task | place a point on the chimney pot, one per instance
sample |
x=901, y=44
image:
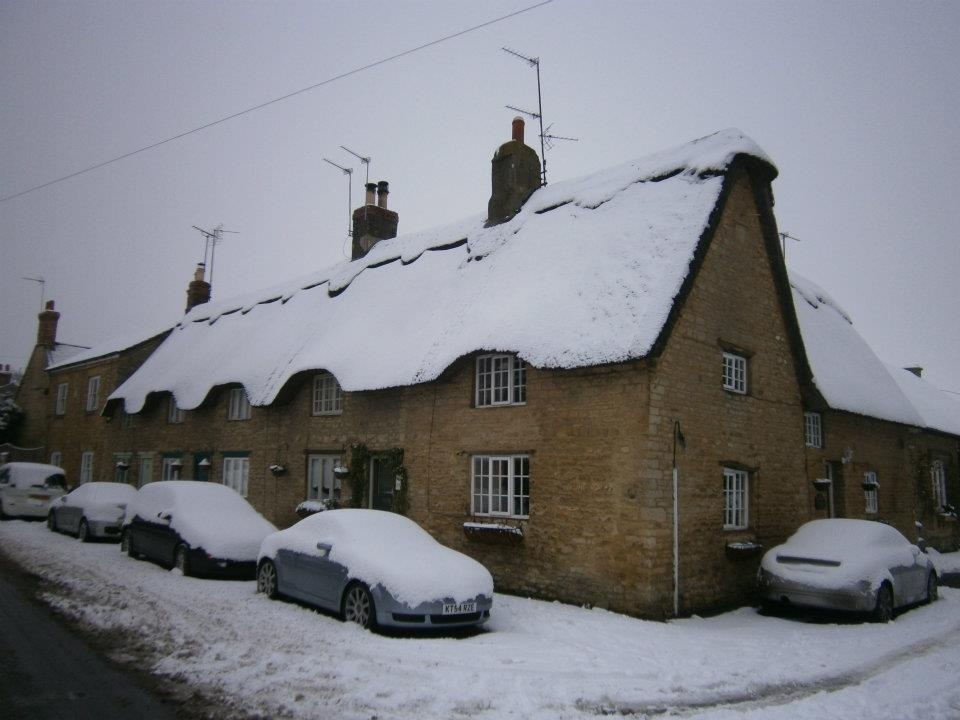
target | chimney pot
x=383, y=189
x=371, y=193
x=518, y=125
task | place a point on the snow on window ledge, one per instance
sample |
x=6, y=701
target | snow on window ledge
x=743, y=549
x=493, y=533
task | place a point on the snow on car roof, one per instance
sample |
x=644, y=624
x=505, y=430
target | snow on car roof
x=383, y=548
x=27, y=473
x=595, y=263
x=207, y=515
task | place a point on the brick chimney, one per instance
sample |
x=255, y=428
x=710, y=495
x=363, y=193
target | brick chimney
x=198, y=291
x=514, y=175
x=373, y=222
x=47, y=326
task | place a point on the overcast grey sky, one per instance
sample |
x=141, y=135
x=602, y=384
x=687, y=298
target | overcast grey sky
x=856, y=102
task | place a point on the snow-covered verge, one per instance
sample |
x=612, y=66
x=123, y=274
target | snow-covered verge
x=536, y=660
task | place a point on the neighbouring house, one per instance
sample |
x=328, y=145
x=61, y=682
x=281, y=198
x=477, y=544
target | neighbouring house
x=599, y=388
x=881, y=443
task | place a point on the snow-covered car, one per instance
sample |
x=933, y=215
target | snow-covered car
x=27, y=489
x=375, y=568
x=848, y=565
x=201, y=528
x=93, y=510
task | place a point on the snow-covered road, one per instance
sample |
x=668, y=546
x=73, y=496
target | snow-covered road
x=536, y=659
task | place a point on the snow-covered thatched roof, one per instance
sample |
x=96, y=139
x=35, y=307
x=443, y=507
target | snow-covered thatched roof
x=585, y=274
x=850, y=376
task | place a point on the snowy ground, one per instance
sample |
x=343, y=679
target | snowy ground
x=536, y=660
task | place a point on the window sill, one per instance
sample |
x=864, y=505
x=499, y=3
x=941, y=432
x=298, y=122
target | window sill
x=493, y=533
x=338, y=413
x=499, y=405
x=743, y=550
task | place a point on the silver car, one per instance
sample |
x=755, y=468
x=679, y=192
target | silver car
x=93, y=510
x=849, y=565
x=26, y=489
x=375, y=568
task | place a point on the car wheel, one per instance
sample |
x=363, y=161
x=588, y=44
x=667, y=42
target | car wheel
x=83, y=532
x=126, y=545
x=267, y=579
x=932, y=588
x=358, y=606
x=883, y=610
x=52, y=521
x=181, y=561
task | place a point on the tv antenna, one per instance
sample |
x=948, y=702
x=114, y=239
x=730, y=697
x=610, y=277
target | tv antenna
x=784, y=236
x=212, y=238
x=364, y=159
x=42, y=283
x=349, y=173
x=545, y=138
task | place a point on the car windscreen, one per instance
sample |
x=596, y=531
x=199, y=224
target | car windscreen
x=56, y=480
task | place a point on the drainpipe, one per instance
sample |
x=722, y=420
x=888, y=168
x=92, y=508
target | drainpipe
x=677, y=438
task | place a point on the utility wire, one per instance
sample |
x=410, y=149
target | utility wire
x=329, y=80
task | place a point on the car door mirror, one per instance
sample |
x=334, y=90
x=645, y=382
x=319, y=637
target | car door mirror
x=63, y=499
x=323, y=549
x=164, y=516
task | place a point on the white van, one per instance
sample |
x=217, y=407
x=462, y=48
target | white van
x=27, y=489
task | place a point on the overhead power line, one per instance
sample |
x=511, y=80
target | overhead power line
x=262, y=105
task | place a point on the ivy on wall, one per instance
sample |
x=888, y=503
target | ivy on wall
x=359, y=464
x=396, y=470
x=360, y=471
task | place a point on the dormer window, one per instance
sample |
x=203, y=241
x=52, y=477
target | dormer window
x=735, y=373
x=327, y=396
x=501, y=380
x=239, y=407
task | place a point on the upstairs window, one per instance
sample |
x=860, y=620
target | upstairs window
x=501, y=485
x=61, y=408
x=870, y=486
x=501, y=380
x=736, y=486
x=239, y=407
x=812, y=430
x=938, y=473
x=174, y=413
x=734, y=373
x=93, y=394
x=326, y=395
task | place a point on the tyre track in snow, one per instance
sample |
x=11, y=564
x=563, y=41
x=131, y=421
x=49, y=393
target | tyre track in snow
x=768, y=695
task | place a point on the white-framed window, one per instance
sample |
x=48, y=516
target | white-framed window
x=146, y=470
x=236, y=473
x=86, y=466
x=734, y=373
x=501, y=380
x=239, y=407
x=870, y=486
x=812, y=430
x=170, y=468
x=121, y=466
x=327, y=397
x=127, y=420
x=174, y=413
x=938, y=474
x=501, y=485
x=321, y=482
x=56, y=457
x=736, y=505
x=93, y=393
x=61, y=408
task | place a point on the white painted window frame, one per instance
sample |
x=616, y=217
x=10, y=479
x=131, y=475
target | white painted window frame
x=327, y=395
x=735, y=372
x=239, y=405
x=170, y=468
x=870, y=494
x=175, y=414
x=93, y=394
x=327, y=484
x=736, y=499
x=500, y=379
x=236, y=473
x=938, y=475
x=56, y=457
x=813, y=429
x=500, y=486
x=86, y=466
x=62, y=390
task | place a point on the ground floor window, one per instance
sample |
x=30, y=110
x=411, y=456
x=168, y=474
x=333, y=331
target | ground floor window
x=736, y=486
x=236, y=473
x=170, y=469
x=870, y=486
x=56, y=458
x=321, y=482
x=938, y=474
x=501, y=485
x=86, y=467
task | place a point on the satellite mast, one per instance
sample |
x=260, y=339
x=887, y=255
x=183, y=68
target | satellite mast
x=43, y=283
x=784, y=236
x=212, y=239
x=364, y=159
x=349, y=173
x=544, y=137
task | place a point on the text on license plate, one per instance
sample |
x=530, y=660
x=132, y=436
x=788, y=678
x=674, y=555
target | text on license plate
x=459, y=608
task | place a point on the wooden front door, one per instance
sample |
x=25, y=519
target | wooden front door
x=381, y=485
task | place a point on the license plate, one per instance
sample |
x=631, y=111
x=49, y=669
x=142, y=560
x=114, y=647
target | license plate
x=44, y=498
x=459, y=608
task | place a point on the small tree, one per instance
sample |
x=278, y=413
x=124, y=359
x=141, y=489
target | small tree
x=11, y=418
